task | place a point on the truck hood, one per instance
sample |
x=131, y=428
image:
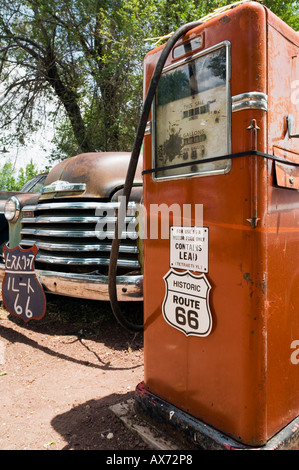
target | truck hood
x=90, y=175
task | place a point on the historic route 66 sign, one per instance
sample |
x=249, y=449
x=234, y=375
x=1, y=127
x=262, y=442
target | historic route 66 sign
x=22, y=293
x=186, y=303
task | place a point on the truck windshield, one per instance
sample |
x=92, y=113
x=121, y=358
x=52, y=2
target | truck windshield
x=191, y=115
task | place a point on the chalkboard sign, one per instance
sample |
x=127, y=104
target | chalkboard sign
x=22, y=293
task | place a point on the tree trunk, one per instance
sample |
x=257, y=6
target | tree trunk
x=69, y=99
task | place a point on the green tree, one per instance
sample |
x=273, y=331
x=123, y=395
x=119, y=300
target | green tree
x=25, y=175
x=288, y=11
x=12, y=181
x=83, y=58
x=7, y=179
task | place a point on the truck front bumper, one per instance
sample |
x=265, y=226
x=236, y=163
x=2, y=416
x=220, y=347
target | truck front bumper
x=94, y=287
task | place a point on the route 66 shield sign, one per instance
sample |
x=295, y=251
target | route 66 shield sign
x=186, y=303
x=22, y=293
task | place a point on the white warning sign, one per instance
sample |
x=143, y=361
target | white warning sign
x=186, y=303
x=189, y=248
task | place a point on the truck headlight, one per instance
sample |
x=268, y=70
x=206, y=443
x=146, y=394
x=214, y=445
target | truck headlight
x=12, y=209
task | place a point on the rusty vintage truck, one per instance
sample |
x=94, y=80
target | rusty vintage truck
x=34, y=185
x=72, y=224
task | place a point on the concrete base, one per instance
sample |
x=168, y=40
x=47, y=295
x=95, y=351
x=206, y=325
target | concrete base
x=154, y=438
x=179, y=429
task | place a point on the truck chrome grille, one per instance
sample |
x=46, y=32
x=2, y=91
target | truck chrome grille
x=76, y=236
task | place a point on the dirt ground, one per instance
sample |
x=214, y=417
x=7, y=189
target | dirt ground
x=59, y=375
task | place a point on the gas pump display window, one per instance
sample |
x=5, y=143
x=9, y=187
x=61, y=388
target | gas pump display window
x=192, y=116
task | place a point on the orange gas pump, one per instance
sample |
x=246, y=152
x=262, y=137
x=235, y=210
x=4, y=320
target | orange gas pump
x=221, y=180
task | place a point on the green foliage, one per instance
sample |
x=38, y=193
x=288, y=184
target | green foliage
x=9, y=181
x=84, y=59
x=287, y=10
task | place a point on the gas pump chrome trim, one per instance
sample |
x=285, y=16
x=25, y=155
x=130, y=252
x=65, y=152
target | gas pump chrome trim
x=148, y=129
x=250, y=100
x=227, y=45
x=290, y=126
x=196, y=55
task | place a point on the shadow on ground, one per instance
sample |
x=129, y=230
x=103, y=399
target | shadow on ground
x=93, y=426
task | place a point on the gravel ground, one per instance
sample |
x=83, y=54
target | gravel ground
x=60, y=375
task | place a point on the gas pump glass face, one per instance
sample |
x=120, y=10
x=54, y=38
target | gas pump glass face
x=191, y=116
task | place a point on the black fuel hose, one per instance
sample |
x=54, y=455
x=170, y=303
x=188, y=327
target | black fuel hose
x=120, y=317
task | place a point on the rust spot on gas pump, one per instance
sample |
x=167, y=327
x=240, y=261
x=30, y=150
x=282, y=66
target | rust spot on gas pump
x=258, y=284
x=246, y=276
x=263, y=287
x=224, y=19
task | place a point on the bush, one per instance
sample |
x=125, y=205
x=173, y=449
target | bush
x=10, y=181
